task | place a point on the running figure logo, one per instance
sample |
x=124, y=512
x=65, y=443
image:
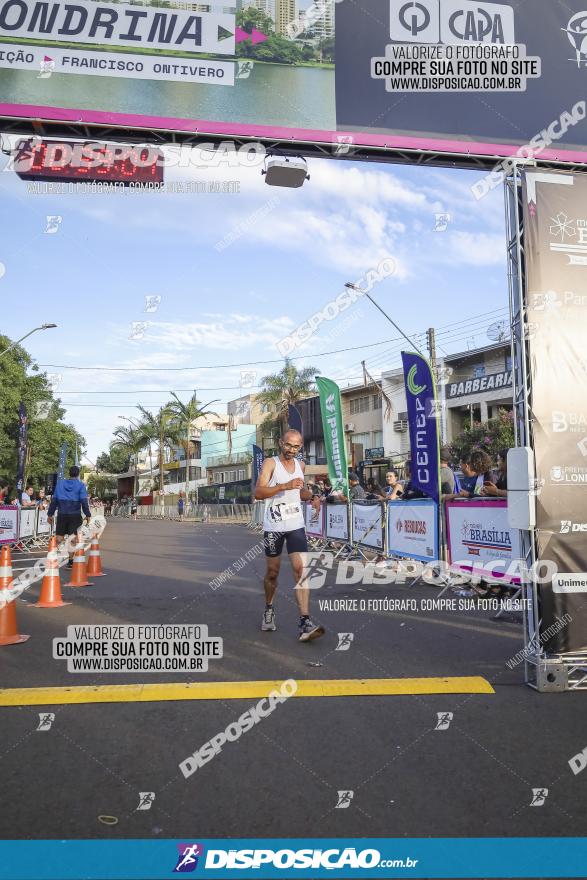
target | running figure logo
x=444, y=719
x=187, y=861
x=316, y=566
x=46, y=719
x=344, y=641
x=344, y=800
x=539, y=795
x=146, y=799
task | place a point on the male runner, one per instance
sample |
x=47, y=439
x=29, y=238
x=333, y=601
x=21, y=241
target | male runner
x=281, y=486
x=69, y=499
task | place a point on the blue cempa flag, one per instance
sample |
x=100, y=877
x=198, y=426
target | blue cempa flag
x=423, y=417
x=21, y=448
x=294, y=418
x=258, y=459
x=294, y=421
x=62, y=458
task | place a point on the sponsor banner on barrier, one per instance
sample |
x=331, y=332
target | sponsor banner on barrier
x=26, y=527
x=479, y=535
x=8, y=523
x=412, y=529
x=314, y=521
x=43, y=524
x=337, y=522
x=368, y=525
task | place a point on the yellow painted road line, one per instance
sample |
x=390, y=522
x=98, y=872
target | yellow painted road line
x=240, y=690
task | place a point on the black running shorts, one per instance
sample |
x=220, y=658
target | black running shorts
x=68, y=523
x=296, y=542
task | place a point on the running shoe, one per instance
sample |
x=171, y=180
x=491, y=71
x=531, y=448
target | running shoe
x=309, y=630
x=268, y=624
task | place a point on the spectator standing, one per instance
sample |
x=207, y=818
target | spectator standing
x=393, y=488
x=133, y=508
x=180, y=506
x=497, y=487
x=356, y=491
x=27, y=498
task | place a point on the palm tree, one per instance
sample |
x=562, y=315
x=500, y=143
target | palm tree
x=159, y=427
x=131, y=440
x=284, y=388
x=183, y=415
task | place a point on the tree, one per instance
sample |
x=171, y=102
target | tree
x=183, y=415
x=130, y=441
x=284, y=388
x=159, y=428
x=101, y=485
x=491, y=436
x=20, y=380
x=117, y=461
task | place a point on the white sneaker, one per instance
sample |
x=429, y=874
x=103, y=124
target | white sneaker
x=309, y=631
x=268, y=624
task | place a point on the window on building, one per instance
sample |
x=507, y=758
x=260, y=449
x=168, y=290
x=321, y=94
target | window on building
x=377, y=401
x=377, y=438
x=359, y=405
x=478, y=370
x=242, y=475
x=195, y=473
x=219, y=477
x=508, y=362
x=231, y=476
x=363, y=440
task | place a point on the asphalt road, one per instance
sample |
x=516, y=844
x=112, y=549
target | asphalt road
x=282, y=778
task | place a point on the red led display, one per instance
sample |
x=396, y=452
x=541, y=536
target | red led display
x=38, y=159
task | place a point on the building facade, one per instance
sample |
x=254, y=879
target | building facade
x=286, y=11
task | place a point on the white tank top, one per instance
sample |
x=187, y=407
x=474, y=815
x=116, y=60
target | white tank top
x=284, y=512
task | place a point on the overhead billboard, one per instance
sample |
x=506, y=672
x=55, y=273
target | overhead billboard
x=555, y=224
x=466, y=77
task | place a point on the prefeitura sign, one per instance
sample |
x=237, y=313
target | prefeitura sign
x=483, y=78
x=555, y=221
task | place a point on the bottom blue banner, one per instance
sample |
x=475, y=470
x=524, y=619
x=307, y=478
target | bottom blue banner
x=531, y=857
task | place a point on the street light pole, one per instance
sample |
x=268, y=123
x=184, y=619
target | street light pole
x=30, y=333
x=352, y=286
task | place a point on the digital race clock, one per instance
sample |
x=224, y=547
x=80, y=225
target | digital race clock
x=38, y=159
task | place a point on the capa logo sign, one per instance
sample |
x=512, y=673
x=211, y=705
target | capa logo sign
x=451, y=21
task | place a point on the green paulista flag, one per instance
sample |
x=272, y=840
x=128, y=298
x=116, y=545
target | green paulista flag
x=331, y=409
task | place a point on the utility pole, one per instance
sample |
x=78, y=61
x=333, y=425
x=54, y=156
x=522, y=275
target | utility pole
x=431, y=339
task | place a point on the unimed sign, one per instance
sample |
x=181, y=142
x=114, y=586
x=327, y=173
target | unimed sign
x=461, y=77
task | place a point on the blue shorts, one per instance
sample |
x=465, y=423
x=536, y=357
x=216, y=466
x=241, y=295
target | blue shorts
x=296, y=541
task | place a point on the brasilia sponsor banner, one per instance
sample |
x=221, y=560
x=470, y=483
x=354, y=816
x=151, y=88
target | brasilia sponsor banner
x=443, y=55
x=555, y=224
x=334, y=439
x=412, y=529
x=337, y=522
x=8, y=523
x=480, y=540
x=314, y=521
x=27, y=521
x=423, y=424
x=368, y=520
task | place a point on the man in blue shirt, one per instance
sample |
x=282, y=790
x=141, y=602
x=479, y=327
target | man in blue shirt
x=69, y=499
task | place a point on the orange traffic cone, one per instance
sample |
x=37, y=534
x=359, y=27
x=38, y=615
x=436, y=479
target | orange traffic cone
x=95, y=560
x=79, y=572
x=9, y=634
x=50, y=596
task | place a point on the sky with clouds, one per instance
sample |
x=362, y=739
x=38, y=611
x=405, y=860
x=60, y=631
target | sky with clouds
x=238, y=272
